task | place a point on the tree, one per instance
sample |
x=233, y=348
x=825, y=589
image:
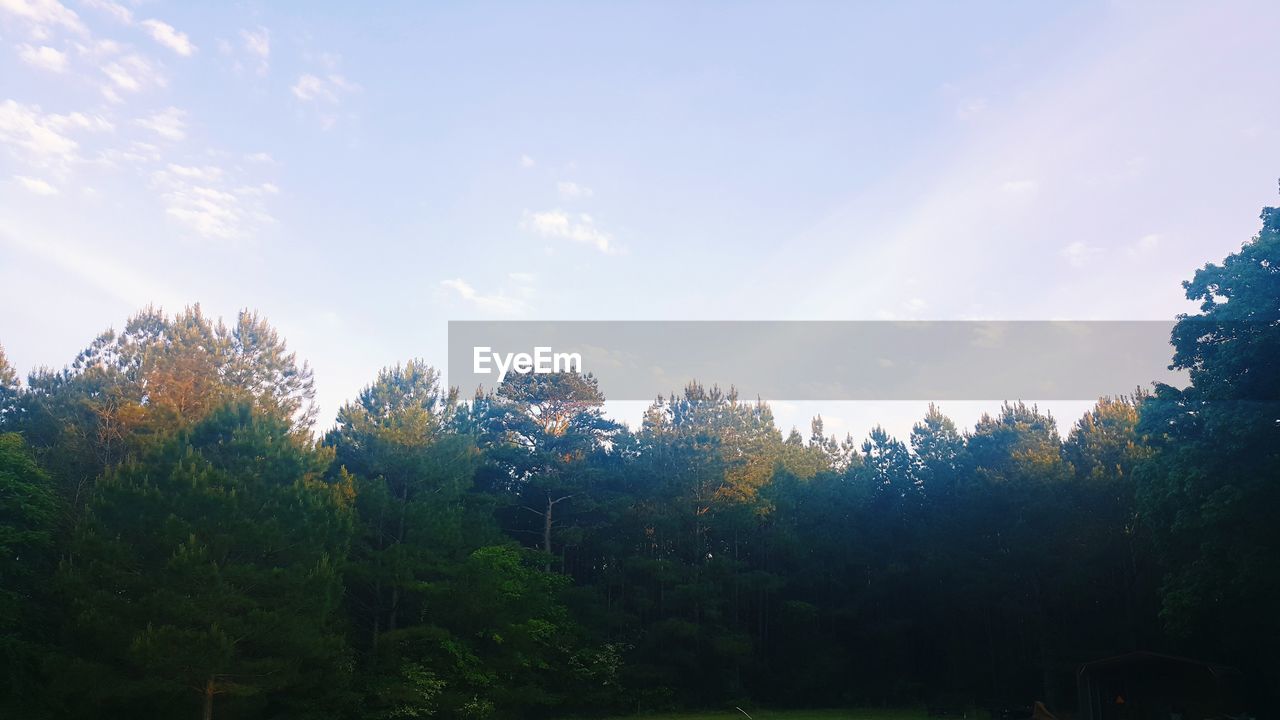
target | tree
x=1210, y=492
x=130, y=390
x=941, y=457
x=28, y=555
x=206, y=576
x=1112, y=569
x=1017, y=515
x=9, y=389
x=412, y=473
x=258, y=362
x=416, y=523
x=511, y=649
x=542, y=429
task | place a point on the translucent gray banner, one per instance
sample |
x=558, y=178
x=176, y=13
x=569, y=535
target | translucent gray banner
x=825, y=360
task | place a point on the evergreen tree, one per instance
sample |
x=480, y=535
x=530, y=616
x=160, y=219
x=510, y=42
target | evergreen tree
x=416, y=524
x=9, y=389
x=205, y=578
x=29, y=518
x=542, y=429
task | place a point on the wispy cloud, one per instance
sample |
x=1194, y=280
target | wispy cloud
x=573, y=191
x=257, y=43
x=329, y=89
x=971, y=108
x=1144, y=245
x=1020, y=187
x=1078, y=254
x=44, y=14
x=43, y=57
x=498, y=303
x=118, y=12
x=324, y=93
x=206, y=201
x=131, y=73
x=168, y=36
x=45, y=136
x=36, y=185
x=581, y=228
x=168, y=123
x=527, y=162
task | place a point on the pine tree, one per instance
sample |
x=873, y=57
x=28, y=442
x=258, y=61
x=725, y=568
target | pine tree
x=9, y=388
x=206, y=576
x=29, y=519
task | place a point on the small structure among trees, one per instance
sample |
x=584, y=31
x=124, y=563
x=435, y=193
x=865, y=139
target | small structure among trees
x=1151, y=686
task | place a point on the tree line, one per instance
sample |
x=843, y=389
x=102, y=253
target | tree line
x=177, y=540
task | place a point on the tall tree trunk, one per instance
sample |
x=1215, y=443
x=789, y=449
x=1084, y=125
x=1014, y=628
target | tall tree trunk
x=395, y=585
x=546, y=532
x=208, y=700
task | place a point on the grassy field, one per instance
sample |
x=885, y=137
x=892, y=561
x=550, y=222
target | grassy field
x=858, y=714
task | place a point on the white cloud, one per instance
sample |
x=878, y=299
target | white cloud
x=99, y=49
x=43, y=57
x=121, y=13
x=260, y=157
x=207, y=173
x=43, y=14
x=168, y=36
x=1020, y=187
x=573, y=191
x=207, y=211
x=258, y=190
x=971, y=108
x=199, y=198
x=527, y=162
x=583, y=229
x=131, y=73
x=45, y=135
x=36, y=185
x=167, y=123
x=258, y=44
x=312, y=88
x=136, y=154
x=1078, y=254
x=496, y=303
x=1144, y=245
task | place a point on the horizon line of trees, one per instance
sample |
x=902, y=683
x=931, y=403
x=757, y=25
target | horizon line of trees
x=175, y=542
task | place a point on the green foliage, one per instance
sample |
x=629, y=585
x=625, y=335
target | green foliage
x=9, y=390
x=522, y=556
x=29, y=515
x=1210, y=491
x=544, y=432
x=412, y=477
x=208, y=571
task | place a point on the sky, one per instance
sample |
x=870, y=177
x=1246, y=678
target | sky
x=362, y=174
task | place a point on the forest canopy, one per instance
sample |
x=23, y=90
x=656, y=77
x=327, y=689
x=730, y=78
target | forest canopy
x=177, y=540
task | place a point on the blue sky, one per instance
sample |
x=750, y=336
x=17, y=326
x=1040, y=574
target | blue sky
x=363, y=176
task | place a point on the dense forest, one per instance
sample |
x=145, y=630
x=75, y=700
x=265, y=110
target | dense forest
x=178, y=537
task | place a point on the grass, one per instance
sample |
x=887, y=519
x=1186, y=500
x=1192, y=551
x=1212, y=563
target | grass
x=857, y=714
